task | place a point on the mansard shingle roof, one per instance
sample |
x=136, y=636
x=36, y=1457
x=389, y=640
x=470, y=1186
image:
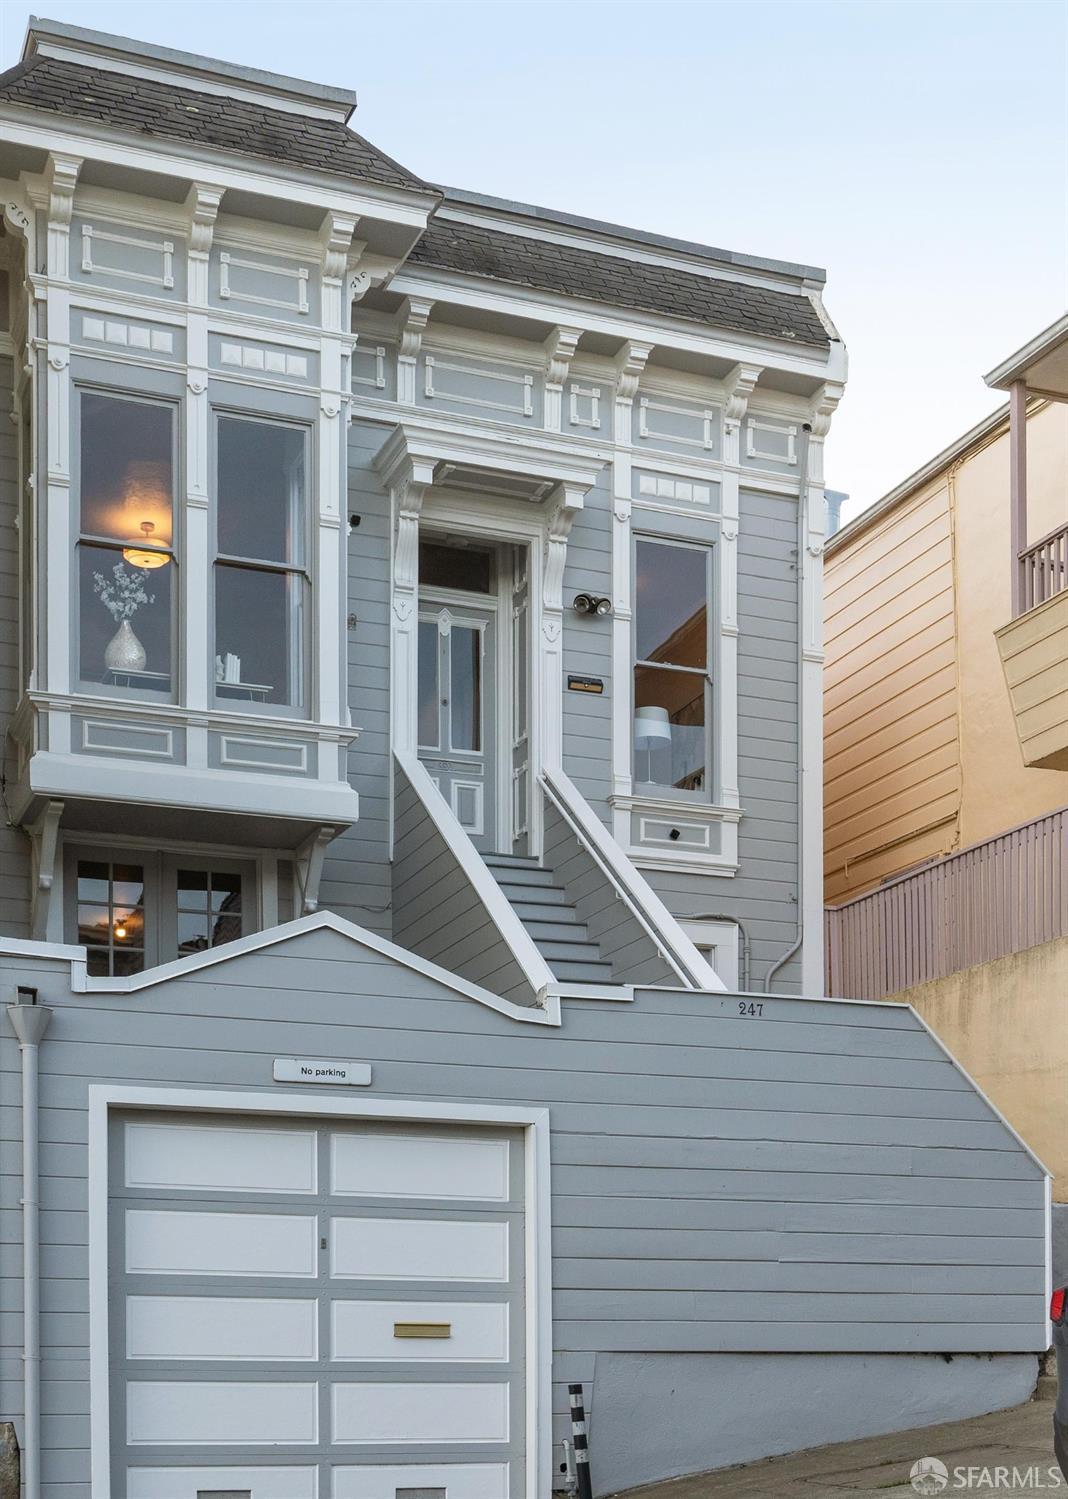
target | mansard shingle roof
x=600, y=277
x=170, y=111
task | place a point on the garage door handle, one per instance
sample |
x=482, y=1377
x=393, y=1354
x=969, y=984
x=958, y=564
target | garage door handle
x=422, y=1329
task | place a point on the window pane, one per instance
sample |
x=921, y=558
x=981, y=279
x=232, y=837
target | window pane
x=125, y=624
x=442, y=566
x=126, y=469
x=225, y=891
x=111, y=915
x=465, y=694
x=669, y=728
x=259, y=633
x=428, y=685
x=127, y=960
x=671, y=604
x=92, y=881
x=226, y=927
x=94, y=926
x=261, y=490
x=193, y=932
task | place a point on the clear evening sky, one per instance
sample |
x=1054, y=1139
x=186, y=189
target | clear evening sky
x=918, y=151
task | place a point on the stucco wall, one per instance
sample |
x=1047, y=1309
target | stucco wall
x=1005, y=1022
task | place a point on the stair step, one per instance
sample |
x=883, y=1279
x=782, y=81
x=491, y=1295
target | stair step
x=584, y=973
x=549, y=896
x=569, y=952
x=522, y=879
x=570, y=932
x=556, y=912
x=510, y=861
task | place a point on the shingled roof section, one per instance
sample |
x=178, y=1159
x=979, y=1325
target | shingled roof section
x=172, y=112
x=577, y=272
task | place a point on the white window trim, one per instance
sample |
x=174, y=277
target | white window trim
x=537, y=1219
x=718, y=940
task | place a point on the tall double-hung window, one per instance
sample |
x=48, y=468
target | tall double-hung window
x=672, y=670
x=127, y=566
x=261, y=582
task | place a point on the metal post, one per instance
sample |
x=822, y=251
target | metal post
x=584, y=1488
x=1018, y=491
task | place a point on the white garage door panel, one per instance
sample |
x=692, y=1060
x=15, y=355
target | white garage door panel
x=366, y=1330
x=162, y=1242
x=186, y=1483
x=220, y=1327
x=218, y=1158
x=419, y=1249
x=406, y=1166
x=169, y=1413
x=411, y=1413
x=459, y=1480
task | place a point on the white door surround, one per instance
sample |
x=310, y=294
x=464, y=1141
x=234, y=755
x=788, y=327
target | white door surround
x=537, y=1255
x=422, y=466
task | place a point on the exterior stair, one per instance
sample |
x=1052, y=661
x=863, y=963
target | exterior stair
x=555, y=929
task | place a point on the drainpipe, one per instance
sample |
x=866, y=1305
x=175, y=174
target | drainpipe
x=29, y=1021
x=802, y=540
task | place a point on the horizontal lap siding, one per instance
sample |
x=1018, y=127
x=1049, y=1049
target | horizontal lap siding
x=14, y=845
x=588, y=649
x=621, y=938
x=817, y=1179
x=436, y=911
x=891, y=743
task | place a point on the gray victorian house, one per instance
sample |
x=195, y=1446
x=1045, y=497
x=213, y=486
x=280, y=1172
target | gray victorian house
x=410, y=872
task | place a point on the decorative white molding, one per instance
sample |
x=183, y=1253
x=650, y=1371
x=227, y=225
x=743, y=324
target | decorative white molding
x=43, y=833
x=559, y=349
x=299, y=276
x=376, y=353
x=590, y=393
x=164, y=248
x=526, y=383
x=271, y=361
x=706, y=419
x=231, y=745
x=782, y=429
x=128, y=335
x=663, y=487
x=737, y=388
x=414, y=316
x=308, y=867
x=630, y=362
x=163, y=749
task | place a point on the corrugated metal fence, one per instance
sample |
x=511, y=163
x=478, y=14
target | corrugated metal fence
x=996, y=898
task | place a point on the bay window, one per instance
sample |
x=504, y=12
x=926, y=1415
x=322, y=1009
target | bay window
x=261, y=584
x=126, y=561
x=672, y=673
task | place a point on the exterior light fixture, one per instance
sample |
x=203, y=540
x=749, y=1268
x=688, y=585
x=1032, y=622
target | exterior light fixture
x=140, y=556
x=120, y=930
x=590, y=603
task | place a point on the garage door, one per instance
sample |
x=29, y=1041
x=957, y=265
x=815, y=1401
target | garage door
x=313, y=1311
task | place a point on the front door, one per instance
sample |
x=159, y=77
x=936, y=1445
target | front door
x=457, y=712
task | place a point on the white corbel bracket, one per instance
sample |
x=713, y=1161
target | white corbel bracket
x=62, y=179
x=559, y=349
x=309, y=868
x=43, y=833
x=202, y=205
x=737, y=388
x=565, y=503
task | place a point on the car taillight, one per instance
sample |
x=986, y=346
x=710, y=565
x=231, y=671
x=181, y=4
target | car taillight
x=1056, y=1305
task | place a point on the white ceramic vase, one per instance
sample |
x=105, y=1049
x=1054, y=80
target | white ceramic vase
x=124, y=651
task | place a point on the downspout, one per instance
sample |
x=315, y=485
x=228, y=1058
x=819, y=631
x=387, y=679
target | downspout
x=29, y=1021
x=802, y=540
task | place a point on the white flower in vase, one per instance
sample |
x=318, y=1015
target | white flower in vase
x=122, y=595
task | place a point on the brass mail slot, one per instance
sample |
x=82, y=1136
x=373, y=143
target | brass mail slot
x=422, y=1329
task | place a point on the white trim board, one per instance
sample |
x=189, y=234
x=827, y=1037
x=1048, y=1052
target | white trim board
x=537, y=1224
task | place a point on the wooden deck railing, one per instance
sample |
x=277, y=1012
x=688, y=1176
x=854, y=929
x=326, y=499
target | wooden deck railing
x=996, y=898
x=1043, y=568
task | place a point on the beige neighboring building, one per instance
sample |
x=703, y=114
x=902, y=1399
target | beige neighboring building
x=946, y=748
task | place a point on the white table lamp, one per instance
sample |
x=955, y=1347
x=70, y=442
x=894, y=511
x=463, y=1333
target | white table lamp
x=652, y=726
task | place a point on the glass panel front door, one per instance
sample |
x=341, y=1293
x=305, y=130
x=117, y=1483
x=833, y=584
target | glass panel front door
x=456, y=708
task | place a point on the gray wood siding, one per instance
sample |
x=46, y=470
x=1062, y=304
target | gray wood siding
x=437, y=913
x=819, y=1179
x=14, y=845
x=763, y=894
x=631, y=952
x=588, y=650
